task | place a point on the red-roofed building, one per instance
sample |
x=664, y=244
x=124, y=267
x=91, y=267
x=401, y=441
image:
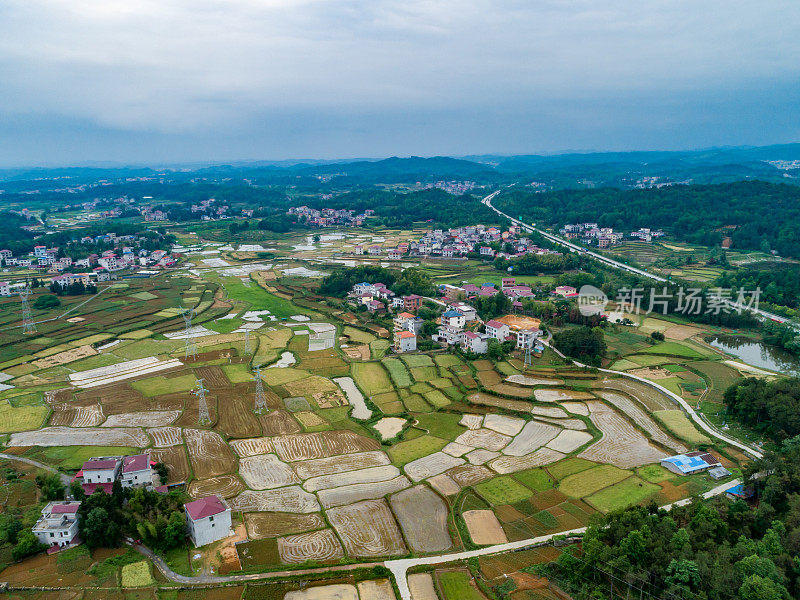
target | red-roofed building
x=405, y=341
x=136, y=471
x=208, y=520
x=412, y=302
x=58, y=525
x=104, y=469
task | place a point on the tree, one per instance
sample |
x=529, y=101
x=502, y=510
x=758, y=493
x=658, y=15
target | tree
x=99, y=530
x=582, y=343
x=756, y=587
x=76, y=490
x=50, y=486
x=47, y=301
x=162, y=470
x=495, y=350
x=27, y=544
x=657, y=336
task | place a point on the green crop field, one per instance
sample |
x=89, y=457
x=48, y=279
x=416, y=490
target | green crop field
x=417, y=360
x=443, y=425
x=569, y=466
x=590, y=481
x=455, y=585
x=424, y=373
x=536, y=479
x=503, y=490
x=679, y=424
x=447, y=360
x=71, y=458
x=620, y=495
x=673, y=349
x=358, y=336
x=398, y=371
x=371, y=377
x=405, y=452
x=719, y=375
x=437, y=399
x=21, y=418
x=160, y=385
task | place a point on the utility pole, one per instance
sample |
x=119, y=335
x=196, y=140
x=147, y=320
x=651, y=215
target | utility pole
x=203, y=418
x=28, y=326
x=247, y=349
x=191, y=344
x=261, y=397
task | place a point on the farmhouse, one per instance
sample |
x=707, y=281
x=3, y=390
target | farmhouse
x=209, y=520
x=101, y=472
x=691, y=462
x=136, y=471
x=565, y=291
x=497, y=330
x=408, y=322
x=58, y=525
x=405, y=341
x=412, y=302
x=474, y=342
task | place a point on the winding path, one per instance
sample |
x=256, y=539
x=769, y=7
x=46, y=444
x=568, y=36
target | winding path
x=65, y=479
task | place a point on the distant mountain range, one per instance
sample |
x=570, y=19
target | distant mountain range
x=557, y=171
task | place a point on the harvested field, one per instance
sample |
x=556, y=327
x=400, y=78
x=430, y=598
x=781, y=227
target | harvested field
x=369, y=475
x=569, y=440
x=559, y=395
x=503, y=424
x=622, y=444
x=367, y=529
x=156, y=418
x=423, y=518
x=467, y=475
x=347, y=442
x=636, y=413
x=532, y=437
x=677, y=422
x=472, y=421
x=66, y=436
x=361, y=491
x=320, y=546
x=421, y=587
x=493, y=381
x=681, y=332
x=512, y=464
x=455, y=449
x=293, y=499
x=91, y=416
x=444, y=484
x=484, y=528
x=484, y=438
x=65, y=357
x=530, y=381
x=336, y=591
x=431, y=465
x=506, y=403
x=481, y=456
x=269, y=525
x=550, y=411
x=176, y=461
x=339, y=464
x=279, y=422
x=164, y=437
x=209, y=454
x=376, y=589
x=301, y=446
x=226, y=486
x=576, y=408
x=253, y=446
x=235, y=415
x=650, y=397
x=213, y=377
x=265, y=472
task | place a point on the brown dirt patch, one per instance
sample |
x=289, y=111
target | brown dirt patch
x=484, y=528
x=62, y=358
x=209, y=454
x=279, y=422
x=274, y=524
x=680, y=332
x=653, y=373
x=213, y=377
x=226, y=486
x=236, y=416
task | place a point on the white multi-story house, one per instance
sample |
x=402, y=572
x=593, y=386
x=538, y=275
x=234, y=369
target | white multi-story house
x=404, y=341
x=208, y=520
x=497, y=330
x=470, y=314
x=101, y=469
x=136, y=471
x=474, y=342
x=58, y=525
x=526, y=338
x=5, y=288
x=454, y=319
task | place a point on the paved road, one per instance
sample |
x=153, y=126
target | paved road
x=616, y=264
x=65, y=479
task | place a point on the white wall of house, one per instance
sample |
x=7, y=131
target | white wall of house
x=210, y=529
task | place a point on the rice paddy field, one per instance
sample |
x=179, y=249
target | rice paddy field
x=483, y=452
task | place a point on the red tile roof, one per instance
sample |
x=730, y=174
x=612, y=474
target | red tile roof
x=90, y=488
x=405, y=334
x=495, y=324
x=138, y=462
x=99, y=465
x=67, y=508
x=205, y=507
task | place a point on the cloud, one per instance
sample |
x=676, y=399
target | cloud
x=202, y=67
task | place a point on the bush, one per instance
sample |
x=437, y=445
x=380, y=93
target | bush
x=27, y=544
x=657, y=336
x=45, y=302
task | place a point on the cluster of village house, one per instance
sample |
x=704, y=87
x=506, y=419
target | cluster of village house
x=459, y=324
x=208, y=519
x=46, y=260
x=603, y=237
x=458, y=242
x=330, y=217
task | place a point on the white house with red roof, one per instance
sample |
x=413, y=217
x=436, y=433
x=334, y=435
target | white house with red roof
x=498, y=330
x=474, y=342
x=100, y=471
x=405, y=341
x=137, y=471
x=58, y=525
x=208, y=520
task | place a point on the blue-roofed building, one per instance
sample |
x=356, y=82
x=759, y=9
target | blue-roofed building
x=739, y=492
x=454, y=319
x=689, y=463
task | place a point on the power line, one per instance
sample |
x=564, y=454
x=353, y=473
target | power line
x=261, y=396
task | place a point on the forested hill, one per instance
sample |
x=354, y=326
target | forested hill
x=756, y=215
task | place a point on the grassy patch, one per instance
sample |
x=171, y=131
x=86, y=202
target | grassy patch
x=620, y=495
x=378, y=348
x=72, y=458
x=282, y=376
x=371, y=377
x=94, y=362
x=679, y=424
x=443, y=425
x=673, y=349
x=358, y=336
x=456, y=585
x=417, y=360
x=590, y=481
x=503, y=490
x=405, y=452
x=160, y=385
x=447, y=360
x=437, y=399
x=237, y=373
x=654, y=473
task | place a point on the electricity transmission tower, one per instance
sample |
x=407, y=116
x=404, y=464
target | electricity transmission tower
x=203, y=418
x=247, y=348
x=28, y=326
x=191, y=343
x=528, y=354
x=261, y=397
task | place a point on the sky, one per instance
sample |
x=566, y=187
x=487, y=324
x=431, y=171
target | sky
x=171, y=81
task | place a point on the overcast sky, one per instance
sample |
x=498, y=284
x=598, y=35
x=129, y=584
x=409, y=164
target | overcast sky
x=158, y=81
